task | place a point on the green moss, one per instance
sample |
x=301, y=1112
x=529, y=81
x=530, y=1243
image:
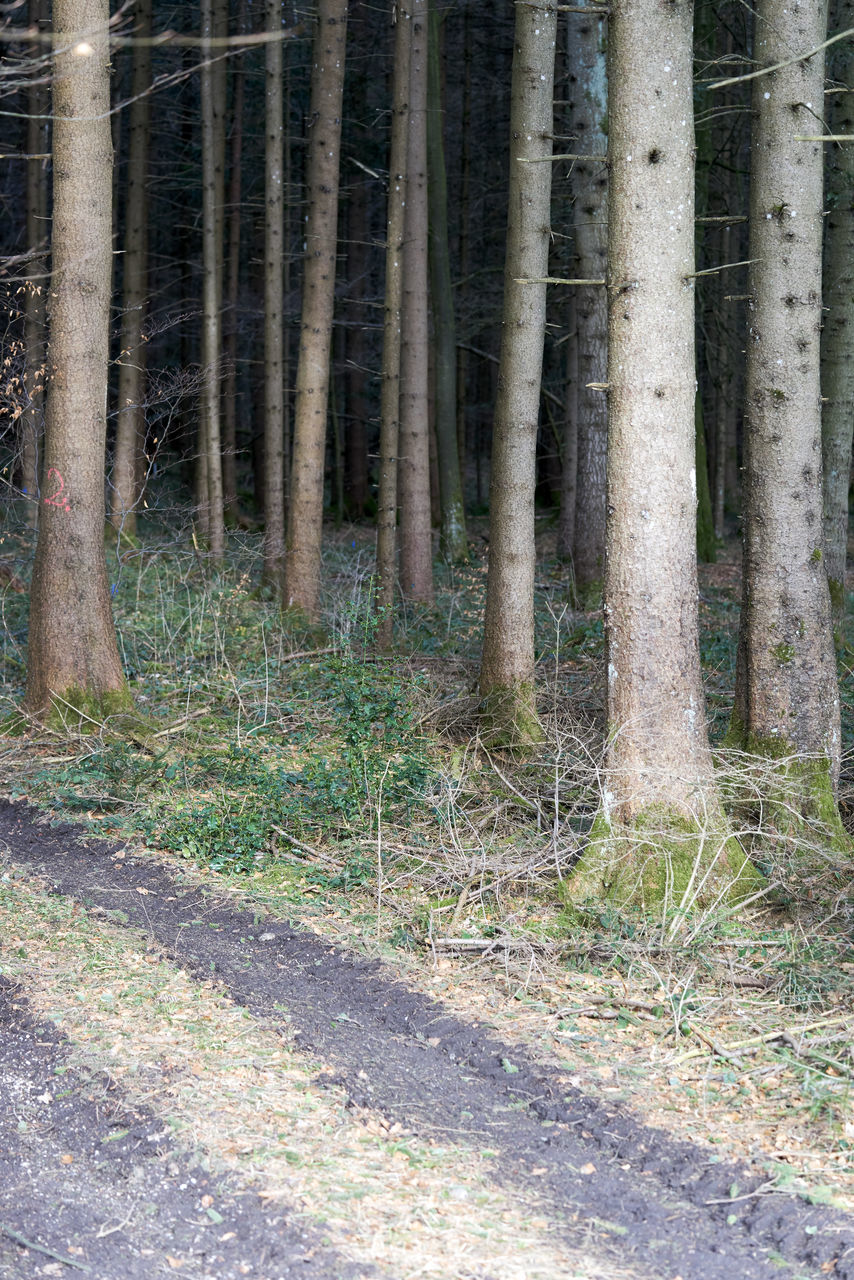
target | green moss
x=816, y=556
x=784, y=653
x=837, y=595
x=662, y=858
x=84, y=711
x=509, y=717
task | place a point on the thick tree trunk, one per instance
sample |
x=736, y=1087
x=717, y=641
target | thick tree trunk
x=210, y=491
x=416, y=543
x=569, y=451
x=661, y=836
x=305, y=512
x=588, y=122
x=837, y=341
x=453, y=544
x=787, y=697
x=73, y=674
x=274, y=406
x=36, y=272
x=130, y=419
x=390, y=392
x=507, y=665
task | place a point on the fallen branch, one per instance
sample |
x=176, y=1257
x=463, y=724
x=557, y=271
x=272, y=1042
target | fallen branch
x=756, y=1041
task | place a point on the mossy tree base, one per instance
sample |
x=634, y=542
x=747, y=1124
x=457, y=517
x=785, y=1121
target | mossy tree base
x=661, y=861
x=798, y=802
x=83, y=711
x=508, y=716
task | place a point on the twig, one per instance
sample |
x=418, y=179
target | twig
x=553, y=280
x=562, y=155
x=470, y=944
x=304, y=848
x=725, y=266
x=767, y=1189
x=40, y=1248
x=777, y=66
x=179, y=724
x=310, y=653
x=768, y=1036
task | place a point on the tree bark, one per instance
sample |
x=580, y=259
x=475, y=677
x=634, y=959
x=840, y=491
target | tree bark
x=508, y=700
x=305, y=512
x=358, y=409
x=212, y=511
x=837, y=341
x=588, y=123
x=787, y=695
x=231, y=291
x=661, y=836
x=416, y=542
x=390, y=390
x=453, y=544
x=130, y=418
x=73, y=674
x=274, y=406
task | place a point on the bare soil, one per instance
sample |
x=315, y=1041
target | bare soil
x=668, y=1211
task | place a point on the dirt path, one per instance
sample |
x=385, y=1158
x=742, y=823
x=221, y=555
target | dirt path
x=653, y=1205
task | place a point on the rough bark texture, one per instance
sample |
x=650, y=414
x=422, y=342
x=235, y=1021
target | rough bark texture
x=661, y=836
x=416, y=544
x=507, y=664
x=453, y=544
x=35, y=271
x=358, y=354
x=390, y=393
x=569, y=451
x=588, y=91
x=305, y=512
x=787, y=699
x=130, y=419
x=837, y=343
x=274, y=392
x=73, y=663
x=210, y=493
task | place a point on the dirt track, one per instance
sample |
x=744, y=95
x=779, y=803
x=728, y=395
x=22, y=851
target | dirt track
x=667, y=1209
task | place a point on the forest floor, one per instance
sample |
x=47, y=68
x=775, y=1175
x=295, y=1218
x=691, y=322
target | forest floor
x=273, y=1020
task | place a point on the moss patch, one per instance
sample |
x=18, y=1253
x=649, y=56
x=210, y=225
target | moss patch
x=84, y=711
x=661, y=859
x=509, y=717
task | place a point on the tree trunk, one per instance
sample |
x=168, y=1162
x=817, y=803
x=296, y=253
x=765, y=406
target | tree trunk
x=508, y=700
x=588, y=122
x=130, y=419
x=787, y=696
x=453, y=544
x=73, y=674
x=305, y=512
x=416, y=542
x=210, y=450
x=357, y=403
x=837, y=349
x=661, y=836
x=36, y=271
x=569, y=452
x=390, y=392
x=231, y=292
x=274, y=407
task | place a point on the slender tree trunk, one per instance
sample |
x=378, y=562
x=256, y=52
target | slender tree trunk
x=507, y=664
x=453, y=543
x=569, y=453
x=73, y=674
x=231, y=294
x=274, y=408
x=416, y=543
x=358, y=355
x=130, y=419
x=305, y=513
x=36, y=274
x=390, y=392
x=210, y=470
x=661, y=836
x=837, y=341
x=464, y=243
x=588, y=117
x=787, y=696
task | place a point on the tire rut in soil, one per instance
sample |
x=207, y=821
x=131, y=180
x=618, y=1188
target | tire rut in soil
x=82, y=1166
x=404, y=1055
